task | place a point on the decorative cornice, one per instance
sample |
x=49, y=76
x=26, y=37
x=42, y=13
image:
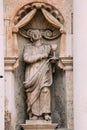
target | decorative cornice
x=66, y=63
x=10, y=63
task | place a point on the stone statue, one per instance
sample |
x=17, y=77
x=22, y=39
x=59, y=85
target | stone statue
x=38, y=76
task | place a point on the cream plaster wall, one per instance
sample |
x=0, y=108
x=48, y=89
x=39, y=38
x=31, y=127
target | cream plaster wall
x=1, y=67
x=80, y=64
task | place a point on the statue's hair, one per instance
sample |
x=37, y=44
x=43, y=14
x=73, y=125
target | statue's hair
x=30, y=33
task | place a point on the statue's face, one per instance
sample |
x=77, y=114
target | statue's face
x=35, y=35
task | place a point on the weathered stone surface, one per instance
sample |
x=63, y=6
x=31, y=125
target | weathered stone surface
x=40, y=125
x=65, y=7
x=61, y=103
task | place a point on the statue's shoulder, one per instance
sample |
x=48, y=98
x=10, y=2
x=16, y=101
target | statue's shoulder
x=28, y=45
x=47, y=45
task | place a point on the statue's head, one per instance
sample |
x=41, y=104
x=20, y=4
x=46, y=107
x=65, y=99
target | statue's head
x=34, y=35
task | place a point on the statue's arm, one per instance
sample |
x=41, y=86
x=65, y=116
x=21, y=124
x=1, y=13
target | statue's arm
x=28, y=58
x=34, y=58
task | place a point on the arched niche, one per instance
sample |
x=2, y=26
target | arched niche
x=50, y=22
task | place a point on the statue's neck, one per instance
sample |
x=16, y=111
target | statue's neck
x=37, y=43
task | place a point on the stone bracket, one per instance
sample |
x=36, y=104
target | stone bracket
x=66, y=63
x=10, y=63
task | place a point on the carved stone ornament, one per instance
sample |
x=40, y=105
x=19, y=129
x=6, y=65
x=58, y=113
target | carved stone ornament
x=24, y=16
x=51, y=14
x=39, y=56
x=38, y=76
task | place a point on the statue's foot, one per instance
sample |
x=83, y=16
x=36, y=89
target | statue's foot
x=47, y=117
x=40, y=118
x=34, y=117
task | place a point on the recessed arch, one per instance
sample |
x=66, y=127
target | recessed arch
x=27, y=12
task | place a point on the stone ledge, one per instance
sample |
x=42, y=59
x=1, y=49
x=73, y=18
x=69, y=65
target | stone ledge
x=39, y=125
x=66, y=62
x=63, y=129
x=10, y=63
x=38, y=122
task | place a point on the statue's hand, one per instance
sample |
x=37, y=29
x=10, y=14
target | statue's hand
x=54, y=59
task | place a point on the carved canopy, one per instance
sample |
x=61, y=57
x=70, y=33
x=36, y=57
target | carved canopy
x=27, y=12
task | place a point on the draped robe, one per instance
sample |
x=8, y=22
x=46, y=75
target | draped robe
x=38, y=78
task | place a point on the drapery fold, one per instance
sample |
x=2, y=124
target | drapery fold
x=38, y=82
x=51, y=19
x=26, y=18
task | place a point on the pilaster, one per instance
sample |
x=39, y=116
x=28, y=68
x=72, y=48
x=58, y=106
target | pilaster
x=68, y=67
x=66, y=63
x=10, y=111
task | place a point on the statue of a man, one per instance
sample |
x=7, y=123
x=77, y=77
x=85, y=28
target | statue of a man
x=38, y=77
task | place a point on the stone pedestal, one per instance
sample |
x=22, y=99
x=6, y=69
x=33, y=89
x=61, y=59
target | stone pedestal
x=39, y=125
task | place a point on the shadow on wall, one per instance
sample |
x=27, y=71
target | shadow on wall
x=58, y=98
